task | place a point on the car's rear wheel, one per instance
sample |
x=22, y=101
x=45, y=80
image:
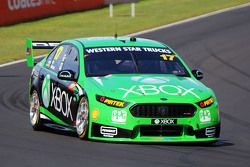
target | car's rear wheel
x=35, y=119
x=82, y=118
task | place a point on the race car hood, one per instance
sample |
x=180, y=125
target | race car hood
x=151, y=88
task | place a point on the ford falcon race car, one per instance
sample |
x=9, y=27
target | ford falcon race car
x=120, y=89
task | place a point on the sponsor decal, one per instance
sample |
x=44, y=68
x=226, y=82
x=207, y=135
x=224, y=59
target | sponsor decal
x=66, y=74
x=74, y=85
x=15, y=11
x=206, y=103
x=100, y=130
x=95, y=114
x=46, y=91
x=163, y=121
x=148, y=90
x=108, y=131
x=205, y=116
x=44, y=44
x=150, y=80
x=210, y=132
x=163, y=99
x=60, y=100
x=111, y=102
x=128, y=49
x=119, y=116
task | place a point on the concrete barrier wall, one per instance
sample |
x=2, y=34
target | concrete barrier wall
x=16, y=11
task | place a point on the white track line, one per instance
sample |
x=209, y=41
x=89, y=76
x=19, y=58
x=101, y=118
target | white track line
x=155, y=29
x=190, y=19
x=19, y=61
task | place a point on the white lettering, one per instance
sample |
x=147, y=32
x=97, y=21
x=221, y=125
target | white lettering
x=99, y=50
x=157, y=50
x=61, y=102
x=148, y=89
x=10, y=5
x=174, y=93
x=65, y=96
x=53, y=95
x=128, y=49
x=131, y=49
x=189, y=91
x=108, y=131
x=129, y=91
x=22, y=4
x=154, y=90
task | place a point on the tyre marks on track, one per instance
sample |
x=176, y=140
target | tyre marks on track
x=14, y=99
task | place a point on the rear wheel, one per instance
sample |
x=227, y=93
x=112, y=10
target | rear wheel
x=35, y=119
x=82, y=118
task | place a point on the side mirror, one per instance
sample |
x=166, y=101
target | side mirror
x=66, y=75
x=198, y=74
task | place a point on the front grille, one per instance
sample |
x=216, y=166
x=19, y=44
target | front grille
x=163, y=110
x=161, y=130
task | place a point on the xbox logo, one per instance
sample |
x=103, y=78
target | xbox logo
x=46, y=91
x=150, y=80
x=157, y=121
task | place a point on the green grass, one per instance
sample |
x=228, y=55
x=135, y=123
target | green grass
x=149, y=13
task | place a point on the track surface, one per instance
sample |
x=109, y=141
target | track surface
x=218, y=44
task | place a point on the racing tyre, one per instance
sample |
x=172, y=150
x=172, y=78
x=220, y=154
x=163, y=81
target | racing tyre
x=35, y=119
x=82, y=118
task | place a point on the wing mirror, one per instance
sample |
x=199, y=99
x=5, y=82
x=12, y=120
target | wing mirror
x=198, y=74
x=66, y=75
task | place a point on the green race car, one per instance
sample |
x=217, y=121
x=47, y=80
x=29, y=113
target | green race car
x=120, y=89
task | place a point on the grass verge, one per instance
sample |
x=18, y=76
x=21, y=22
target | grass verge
x=149, y=14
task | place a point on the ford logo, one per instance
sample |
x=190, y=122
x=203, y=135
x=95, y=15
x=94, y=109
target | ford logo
x=163, y=99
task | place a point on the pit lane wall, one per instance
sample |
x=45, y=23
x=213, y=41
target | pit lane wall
x=16, y=11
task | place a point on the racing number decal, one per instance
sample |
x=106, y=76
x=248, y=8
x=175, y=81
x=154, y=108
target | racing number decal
x=58, y=52
x=167, y=57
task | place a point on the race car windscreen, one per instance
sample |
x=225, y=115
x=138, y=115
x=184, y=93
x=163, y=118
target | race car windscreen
x=131, y=60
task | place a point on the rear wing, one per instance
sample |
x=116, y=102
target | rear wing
x=31, y=45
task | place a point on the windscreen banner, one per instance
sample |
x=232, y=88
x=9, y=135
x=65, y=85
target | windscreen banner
x=16, y=11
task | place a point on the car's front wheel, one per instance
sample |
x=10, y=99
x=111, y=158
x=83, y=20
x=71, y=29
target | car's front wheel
x=35, y=119
x=82, y=118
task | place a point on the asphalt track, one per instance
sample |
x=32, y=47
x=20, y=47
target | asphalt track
x=219, y=45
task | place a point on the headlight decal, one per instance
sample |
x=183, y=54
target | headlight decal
x=111, y=102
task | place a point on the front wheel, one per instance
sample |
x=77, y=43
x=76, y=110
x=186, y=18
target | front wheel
x=35, y=119
x=82, y=118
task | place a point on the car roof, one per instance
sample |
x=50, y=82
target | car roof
x=119, y=41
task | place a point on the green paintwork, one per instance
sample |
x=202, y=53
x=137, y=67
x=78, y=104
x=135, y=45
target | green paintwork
x=30, y=56
x=151, y=87
x=52, y=117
